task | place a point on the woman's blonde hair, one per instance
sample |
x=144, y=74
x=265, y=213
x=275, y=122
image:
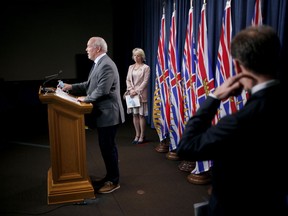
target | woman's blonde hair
x=140, y=52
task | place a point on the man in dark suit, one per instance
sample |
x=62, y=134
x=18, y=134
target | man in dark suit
x=102, y=89
x=248, y=148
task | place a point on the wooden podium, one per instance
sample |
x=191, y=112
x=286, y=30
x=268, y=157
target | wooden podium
x=68, y=180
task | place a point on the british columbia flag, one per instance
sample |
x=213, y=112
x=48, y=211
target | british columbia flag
x=176, y=98
x=189, y=70
x=224, y=65
x=161, y=109
x=204, y=77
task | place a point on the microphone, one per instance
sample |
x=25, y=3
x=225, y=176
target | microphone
x=53, y=75
x=47, y=79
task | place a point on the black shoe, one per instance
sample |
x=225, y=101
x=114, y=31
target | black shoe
x=135, y=141
x=142, y=142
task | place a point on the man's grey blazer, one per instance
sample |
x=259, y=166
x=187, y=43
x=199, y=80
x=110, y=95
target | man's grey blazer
x=103, y=91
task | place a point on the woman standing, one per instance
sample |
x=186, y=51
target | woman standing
x=137, y=84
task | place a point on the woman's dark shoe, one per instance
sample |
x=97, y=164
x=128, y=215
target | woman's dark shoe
x=142, y=141
x=135, y=141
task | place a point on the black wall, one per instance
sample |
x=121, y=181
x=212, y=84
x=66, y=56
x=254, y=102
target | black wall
x=41, y=37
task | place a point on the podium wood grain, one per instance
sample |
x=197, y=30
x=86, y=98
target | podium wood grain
x=68, y=180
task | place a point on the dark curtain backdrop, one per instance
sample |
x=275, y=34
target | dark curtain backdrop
x=147, y=26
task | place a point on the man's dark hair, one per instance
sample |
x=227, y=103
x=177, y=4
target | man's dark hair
x=258, y=49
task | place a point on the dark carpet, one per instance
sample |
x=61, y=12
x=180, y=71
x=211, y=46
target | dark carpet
x=150, y=183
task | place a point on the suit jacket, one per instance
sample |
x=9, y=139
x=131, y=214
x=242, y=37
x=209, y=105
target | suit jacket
x=139, y=82
x=247, y=149
x=103, y=91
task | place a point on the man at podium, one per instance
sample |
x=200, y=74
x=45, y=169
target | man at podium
x=102, y=89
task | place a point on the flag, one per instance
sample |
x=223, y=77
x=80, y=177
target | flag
x=161, y=107
x=224, y=65
x=189, y=70
x=257, y=18
x=204, y=74
x=204, y=77
x=176, y=100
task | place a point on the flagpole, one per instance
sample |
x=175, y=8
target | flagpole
x=174, y=6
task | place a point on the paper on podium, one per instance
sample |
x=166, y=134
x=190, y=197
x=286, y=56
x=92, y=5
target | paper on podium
x=60, y=93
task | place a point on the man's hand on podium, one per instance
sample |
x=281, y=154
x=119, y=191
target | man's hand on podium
x=81, y=99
